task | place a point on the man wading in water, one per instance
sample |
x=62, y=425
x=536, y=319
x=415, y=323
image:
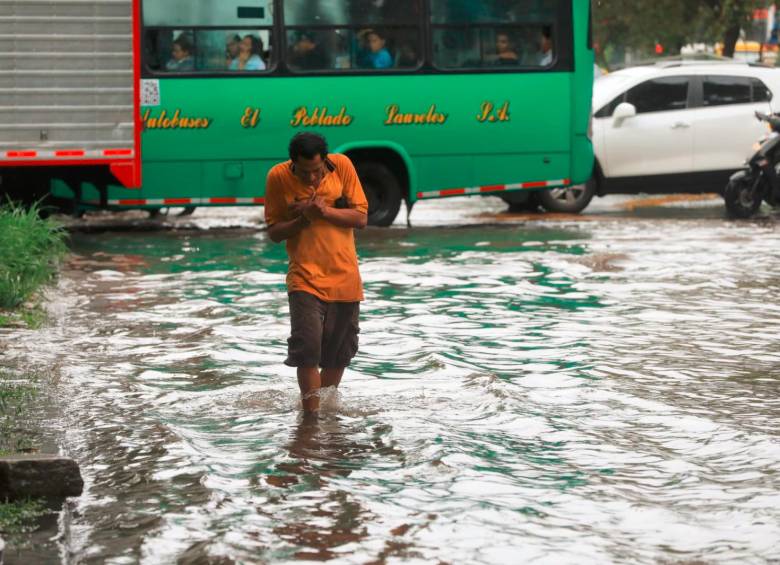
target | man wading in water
x=314, y=201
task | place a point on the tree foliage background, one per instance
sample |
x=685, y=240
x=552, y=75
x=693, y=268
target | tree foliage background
x=640, y=24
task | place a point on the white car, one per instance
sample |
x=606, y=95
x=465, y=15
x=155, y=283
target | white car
x=673, y=127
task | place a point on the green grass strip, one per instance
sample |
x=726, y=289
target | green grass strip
x=20, y=517
x=31, y=249
x=18, y=413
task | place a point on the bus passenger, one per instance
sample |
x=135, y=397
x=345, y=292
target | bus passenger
x=306, y=53
x=181, y=55
x=545, y=47
x=506, y=51
x=373, y=54
x=231, y=48
x=249, y=58
x=407, y=56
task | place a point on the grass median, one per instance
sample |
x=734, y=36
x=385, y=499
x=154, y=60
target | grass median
x=31, y=249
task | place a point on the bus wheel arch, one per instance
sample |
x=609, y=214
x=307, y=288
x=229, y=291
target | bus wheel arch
x=385, y=179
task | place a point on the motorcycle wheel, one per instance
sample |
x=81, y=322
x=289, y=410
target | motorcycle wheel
x=742, y=197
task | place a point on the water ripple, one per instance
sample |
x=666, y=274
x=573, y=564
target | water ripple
x=584, y=393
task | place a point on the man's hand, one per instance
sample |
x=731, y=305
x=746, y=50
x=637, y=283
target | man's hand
x=314, y=209
x=296, y=208
x=311, y=209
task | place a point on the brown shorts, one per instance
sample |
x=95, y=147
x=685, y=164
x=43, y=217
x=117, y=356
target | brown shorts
x=323, y=334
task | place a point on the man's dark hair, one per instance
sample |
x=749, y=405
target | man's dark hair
x=184, y=43
x=307, y=145
x=257, y=45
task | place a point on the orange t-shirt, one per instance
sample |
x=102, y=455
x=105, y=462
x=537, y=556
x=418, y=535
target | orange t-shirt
x=323, y=259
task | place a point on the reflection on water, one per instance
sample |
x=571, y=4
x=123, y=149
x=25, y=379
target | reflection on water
x=580, y=393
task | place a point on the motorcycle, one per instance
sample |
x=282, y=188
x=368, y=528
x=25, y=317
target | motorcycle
x=760, y=180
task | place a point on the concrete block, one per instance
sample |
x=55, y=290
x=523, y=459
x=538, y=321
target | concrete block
x=39, y=476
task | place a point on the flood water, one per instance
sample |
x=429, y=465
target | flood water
x=602, y=390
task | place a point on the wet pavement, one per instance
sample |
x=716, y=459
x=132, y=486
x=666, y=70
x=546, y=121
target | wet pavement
x=561, y=389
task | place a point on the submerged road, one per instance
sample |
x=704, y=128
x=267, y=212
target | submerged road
x=569, y=389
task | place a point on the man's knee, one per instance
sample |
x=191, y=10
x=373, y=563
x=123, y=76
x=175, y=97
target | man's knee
x=304, y=347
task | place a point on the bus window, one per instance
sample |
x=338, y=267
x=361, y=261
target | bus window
x=344, y=35
x=195, y=36
x=316, y=50
x=350, y=12
x=493, y=11
x=498, y=33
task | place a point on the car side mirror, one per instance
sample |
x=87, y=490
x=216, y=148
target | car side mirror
x=623, y=111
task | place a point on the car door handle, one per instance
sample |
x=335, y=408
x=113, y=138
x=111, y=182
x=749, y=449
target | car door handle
x=681, y=125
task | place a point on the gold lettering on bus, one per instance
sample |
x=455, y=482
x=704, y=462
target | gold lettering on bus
x=251, y=117
x=489, y=113
x=397, y=118
x=320, y=117
x=176, y=121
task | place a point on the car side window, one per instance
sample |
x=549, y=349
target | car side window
x=761, y=92
x=725, y=90
x=607, y=110
x=660, y=95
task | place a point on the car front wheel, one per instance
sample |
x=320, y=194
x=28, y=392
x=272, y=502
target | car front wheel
x=568, y=200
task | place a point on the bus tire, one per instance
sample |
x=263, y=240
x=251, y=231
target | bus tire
x=383, y=192
x=570, y=199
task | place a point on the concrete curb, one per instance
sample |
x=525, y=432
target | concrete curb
x=39, y=476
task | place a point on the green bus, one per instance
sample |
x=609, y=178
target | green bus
x=429, y=98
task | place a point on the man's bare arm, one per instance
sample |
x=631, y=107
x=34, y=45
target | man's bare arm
x=345, y=217
x=285, y=230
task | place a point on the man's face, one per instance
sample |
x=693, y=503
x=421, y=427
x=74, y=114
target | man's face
x=304, y=45
x=375, y=43
x=310, y=171
x=502, y=43
x=546, y=43
x=179, y=53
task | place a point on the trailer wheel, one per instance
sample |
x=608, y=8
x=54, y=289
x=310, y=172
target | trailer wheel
x=165, y=211
x=383, y=192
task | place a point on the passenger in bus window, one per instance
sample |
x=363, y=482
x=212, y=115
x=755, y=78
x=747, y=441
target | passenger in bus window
x=506, y=51
x=181, y=55
x=306, y=53
x=545, y=47
x=340, y=47
x=373, y=54
x=250, y=51
x=231, y=48
x=407, y=56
